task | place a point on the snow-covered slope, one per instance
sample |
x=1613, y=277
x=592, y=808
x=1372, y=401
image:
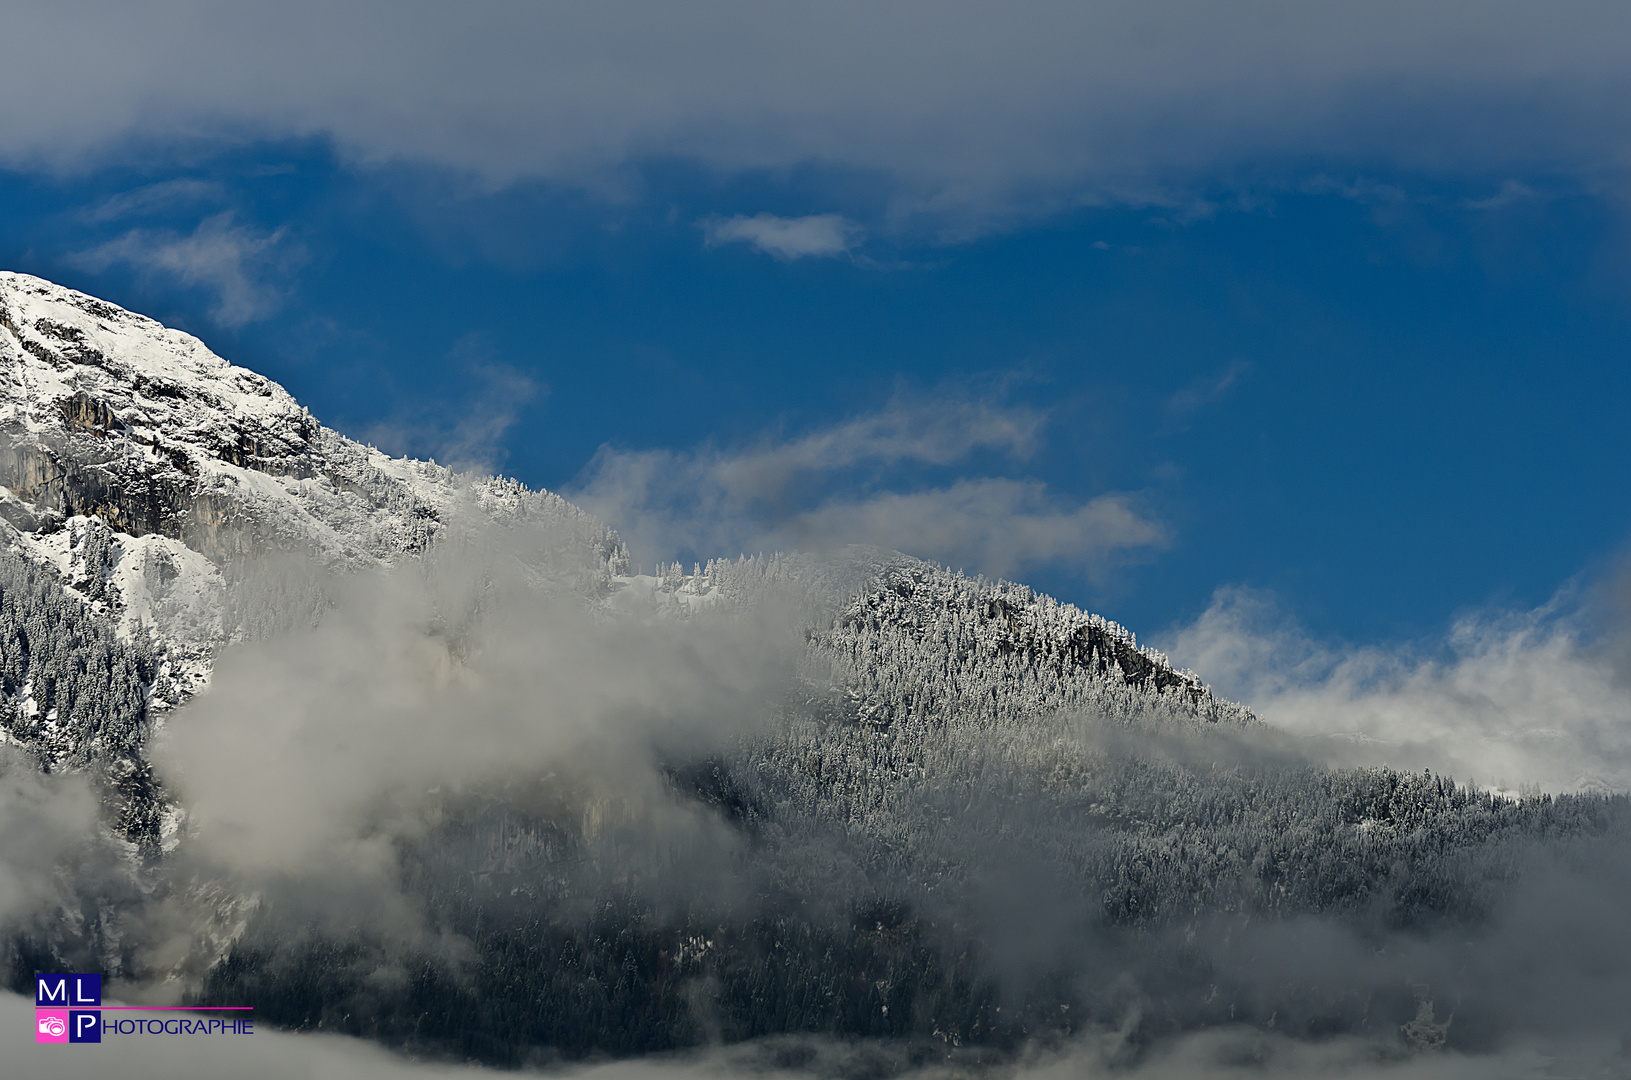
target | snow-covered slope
x=904, y=639
x=196, y=466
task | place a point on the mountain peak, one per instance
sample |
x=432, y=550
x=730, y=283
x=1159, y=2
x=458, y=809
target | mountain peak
x=104, y=412
x=193, y=466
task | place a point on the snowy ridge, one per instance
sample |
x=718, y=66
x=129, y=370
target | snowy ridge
x=109, y=415
x=901, y=639
x=1014, y=615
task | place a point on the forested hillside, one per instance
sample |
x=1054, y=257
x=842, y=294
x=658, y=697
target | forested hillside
x=961, y=903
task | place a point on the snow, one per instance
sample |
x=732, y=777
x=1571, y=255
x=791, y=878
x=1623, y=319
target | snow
x=251, y=468
x=647, y=594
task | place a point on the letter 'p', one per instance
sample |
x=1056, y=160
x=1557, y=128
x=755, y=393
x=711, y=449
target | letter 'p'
x=84, y=1026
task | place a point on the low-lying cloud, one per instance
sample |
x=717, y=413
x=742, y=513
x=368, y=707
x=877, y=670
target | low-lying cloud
x=266, y=1054
x=1229, y=1053
x=1511, y=698
x=314, y=755
x=43, y=820
x=324, y=761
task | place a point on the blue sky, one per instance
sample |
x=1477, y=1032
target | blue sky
x=1335, y=311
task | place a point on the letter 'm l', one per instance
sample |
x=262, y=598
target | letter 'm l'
x=59, y=990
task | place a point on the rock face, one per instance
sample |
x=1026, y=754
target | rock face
x=108, y=414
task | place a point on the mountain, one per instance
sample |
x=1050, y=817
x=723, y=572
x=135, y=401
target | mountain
x=147, y=473
x=413, y=755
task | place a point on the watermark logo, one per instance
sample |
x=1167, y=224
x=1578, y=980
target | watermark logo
x=69, y=1009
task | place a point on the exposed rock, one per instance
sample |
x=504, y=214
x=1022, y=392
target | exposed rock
x=108, y=414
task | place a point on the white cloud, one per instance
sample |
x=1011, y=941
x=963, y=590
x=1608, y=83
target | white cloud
x=785, y=238
x=466, y=434
x=237, y=263
x=1201, y=392
x=1512, y=192
x=776, y=493
x=265, y=1054
x=1226, y=1053
x=995, y=526
x=151, y=198
x=1509, y=699
x=456, y=671
x=960, y=107
x=43, y=819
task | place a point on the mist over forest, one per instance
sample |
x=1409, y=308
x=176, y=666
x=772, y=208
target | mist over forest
x=833, y=814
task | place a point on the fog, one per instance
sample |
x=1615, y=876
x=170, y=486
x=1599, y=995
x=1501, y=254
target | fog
x=1505, y=698
x=43, y=821
x=651, y=767
x=1224, y=1054
x=319, y=752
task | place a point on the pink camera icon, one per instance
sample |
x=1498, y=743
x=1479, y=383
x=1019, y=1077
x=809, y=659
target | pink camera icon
x=51, y=1027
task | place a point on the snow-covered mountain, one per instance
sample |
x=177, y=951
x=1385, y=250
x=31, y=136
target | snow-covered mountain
x=146, y=472
x=108, y=413
x=964, y=815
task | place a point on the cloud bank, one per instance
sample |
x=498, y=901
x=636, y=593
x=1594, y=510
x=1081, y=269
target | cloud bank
x=323, y=748
x=961, y=107
x=1513, y=698
x=322, y=761
x=1224, y=1054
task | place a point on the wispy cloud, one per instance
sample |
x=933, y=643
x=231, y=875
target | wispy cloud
x=1507, y=698
x=784, y=492
x=154, y=198
x=996, y=526
x=1199, y=393
x=786, y=238
x=1512, y=192
x=242, y=266
x=469, y=436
